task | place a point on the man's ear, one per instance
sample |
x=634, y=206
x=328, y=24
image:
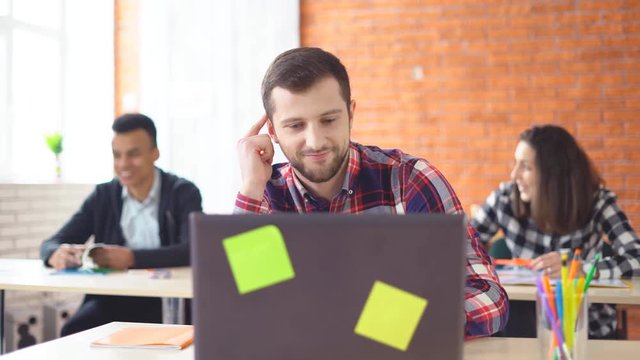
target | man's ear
x=272, y=131
x=156, y=154
x=352, y=110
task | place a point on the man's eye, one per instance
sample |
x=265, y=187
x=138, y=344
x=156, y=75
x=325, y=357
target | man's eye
x=328, y=121
x=294, y=126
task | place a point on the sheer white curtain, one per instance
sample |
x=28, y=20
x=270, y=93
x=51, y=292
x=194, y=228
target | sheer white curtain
x=201, y=64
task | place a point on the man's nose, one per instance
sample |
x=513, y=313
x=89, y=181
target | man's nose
x=315, y=138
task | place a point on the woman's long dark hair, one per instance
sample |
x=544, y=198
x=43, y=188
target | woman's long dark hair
x=566, y=184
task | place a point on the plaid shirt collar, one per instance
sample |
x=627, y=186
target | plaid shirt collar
x=349, y=182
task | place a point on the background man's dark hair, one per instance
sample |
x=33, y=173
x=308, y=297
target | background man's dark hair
x=130, y=122
x=298, y=69
x=567, y=181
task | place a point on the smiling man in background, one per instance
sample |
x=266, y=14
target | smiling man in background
x=140, y=217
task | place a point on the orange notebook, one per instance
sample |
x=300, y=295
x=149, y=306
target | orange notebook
x=172, y=337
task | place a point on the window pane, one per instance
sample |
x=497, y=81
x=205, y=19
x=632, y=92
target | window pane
x=36, y=95
x=4, y=7
x=4, y=135
x=38, y=12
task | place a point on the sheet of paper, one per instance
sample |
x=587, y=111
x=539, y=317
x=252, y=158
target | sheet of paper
x=523, y=276
x=391, y=316
x=258, y=258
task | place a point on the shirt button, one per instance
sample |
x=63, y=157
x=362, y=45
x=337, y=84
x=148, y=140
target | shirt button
x=350, y=192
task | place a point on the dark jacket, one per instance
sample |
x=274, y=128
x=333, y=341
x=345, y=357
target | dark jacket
x=100, y=213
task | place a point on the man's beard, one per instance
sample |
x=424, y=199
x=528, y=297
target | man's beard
x=324, y=174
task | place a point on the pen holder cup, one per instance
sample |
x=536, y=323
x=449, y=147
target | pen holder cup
x=571, y=326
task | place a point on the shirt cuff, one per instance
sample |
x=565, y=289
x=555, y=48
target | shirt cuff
x=246, y=204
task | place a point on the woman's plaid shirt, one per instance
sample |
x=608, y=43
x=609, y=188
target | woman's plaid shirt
x=526, y=240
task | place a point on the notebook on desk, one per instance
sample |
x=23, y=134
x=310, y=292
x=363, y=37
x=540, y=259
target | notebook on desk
x=328, y=286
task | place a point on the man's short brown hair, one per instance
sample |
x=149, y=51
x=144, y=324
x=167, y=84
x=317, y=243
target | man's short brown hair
x=299, y=69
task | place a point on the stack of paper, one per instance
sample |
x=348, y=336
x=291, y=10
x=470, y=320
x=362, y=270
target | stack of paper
x=149, y=337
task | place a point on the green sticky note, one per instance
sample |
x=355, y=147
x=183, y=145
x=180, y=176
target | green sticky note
x=391, y=315
x=258, y=258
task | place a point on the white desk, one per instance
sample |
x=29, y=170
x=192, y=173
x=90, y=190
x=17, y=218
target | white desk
x=528, y=349
x=630, y=296
x=76, y=347
x=32, y=275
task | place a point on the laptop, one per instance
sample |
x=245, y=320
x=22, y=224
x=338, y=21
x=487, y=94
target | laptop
x=330, y=286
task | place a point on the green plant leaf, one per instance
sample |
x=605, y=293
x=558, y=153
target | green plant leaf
x=54, y=142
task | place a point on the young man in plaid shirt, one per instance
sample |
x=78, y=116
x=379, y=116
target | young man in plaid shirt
x=309, y=114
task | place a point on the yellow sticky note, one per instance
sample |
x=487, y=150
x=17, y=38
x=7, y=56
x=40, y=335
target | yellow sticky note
x=391, y=315
x=258, y=258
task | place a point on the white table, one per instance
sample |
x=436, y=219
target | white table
x=76, y=347
x=629, y=296
x=528, y=349
x=32, y=275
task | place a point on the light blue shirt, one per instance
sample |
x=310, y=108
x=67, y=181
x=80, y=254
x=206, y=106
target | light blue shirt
x=139, y=220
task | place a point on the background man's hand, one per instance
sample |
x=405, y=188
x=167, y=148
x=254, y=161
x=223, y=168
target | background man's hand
x=67, y=256
x=255, y=155
x=113, y=257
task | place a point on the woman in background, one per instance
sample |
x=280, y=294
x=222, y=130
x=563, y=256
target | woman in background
x=557, y=200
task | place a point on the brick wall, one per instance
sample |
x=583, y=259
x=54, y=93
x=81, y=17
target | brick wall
x=126, y=50
x=456, y=81
x=28, y=215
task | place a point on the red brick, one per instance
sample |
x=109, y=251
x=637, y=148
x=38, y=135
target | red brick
x=581, y=42
x=569, y=19
x=631, y=91
x=529, y=20
x=597, y=79
x=580, y=117
x=580, y=92
x=627, y=143
x=534, y=68
x=533, y=93
x=632, y=128
x=552, y=31
x=488, y=118
x=601, y=5
x=554, y=80
x=627, y=116
x=601, y=104
x=601, y=54
x=614, y=182
x=629, y=194
x=605, y=154
x=553, y=105
x=498, y=106
x=599, y=129
x=579, y=67
x=529, y=118
x=622, y=42
x=508, y=33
